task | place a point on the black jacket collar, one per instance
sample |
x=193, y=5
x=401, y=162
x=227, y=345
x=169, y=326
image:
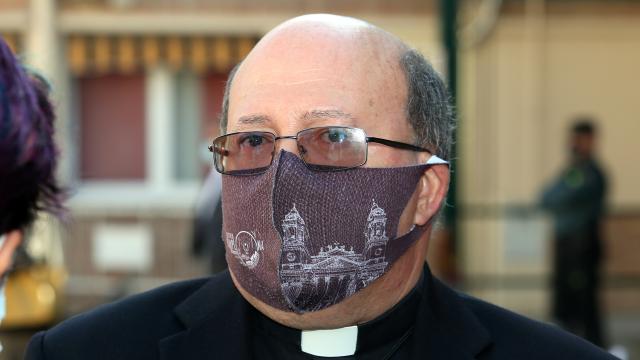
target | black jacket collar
x=215, y=318
x=216, y=324
x=446, y=327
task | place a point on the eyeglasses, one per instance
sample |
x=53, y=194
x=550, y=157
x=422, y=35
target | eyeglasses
x=328, y=148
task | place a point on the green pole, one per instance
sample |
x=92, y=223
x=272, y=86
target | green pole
x=448, y=15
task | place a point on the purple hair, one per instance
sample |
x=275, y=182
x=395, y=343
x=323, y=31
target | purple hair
x=28, y=154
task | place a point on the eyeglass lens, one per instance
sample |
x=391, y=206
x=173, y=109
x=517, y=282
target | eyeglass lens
x=244, y=151
x=333, y=147
x=324, y=148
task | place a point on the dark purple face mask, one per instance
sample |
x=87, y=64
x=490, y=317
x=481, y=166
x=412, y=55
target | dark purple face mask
x=302, y=240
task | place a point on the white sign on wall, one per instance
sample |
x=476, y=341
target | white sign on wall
x=122, y=247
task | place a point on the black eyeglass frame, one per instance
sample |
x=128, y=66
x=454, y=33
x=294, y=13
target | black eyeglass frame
x=368, y=139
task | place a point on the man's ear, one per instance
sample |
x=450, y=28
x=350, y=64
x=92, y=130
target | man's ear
x=11, y=242
x=433, y=187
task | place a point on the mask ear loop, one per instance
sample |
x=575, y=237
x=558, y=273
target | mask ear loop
x=434, y=160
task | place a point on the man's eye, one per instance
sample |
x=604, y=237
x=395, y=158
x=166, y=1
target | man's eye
x=336, y=136
x=252, y=140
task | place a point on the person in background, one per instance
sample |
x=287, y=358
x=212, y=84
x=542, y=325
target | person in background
x=576, y=199
x=207, y=241
x=28, y=157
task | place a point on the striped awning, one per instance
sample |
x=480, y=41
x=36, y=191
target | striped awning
x=98, y=54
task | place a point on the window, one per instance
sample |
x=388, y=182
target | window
x=112, y=127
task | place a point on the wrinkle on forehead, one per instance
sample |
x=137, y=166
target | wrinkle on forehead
x=290, y=76
x=306, y=76
x=292, y=82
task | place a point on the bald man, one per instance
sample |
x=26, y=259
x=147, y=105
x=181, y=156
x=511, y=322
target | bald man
x=336, y=136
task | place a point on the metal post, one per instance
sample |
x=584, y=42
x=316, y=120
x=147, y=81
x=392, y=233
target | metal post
x=448, y=14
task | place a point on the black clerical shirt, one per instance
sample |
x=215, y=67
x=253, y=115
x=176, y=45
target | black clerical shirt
x=383, y=338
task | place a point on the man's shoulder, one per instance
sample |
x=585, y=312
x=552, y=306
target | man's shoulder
x=154, y=305
x=515, y=336
x=139, y=321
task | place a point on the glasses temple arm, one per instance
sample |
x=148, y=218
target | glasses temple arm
x=214, y=149
x=398, y=145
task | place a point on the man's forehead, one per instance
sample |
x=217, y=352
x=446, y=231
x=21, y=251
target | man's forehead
x=307, y=45
x=307, y=66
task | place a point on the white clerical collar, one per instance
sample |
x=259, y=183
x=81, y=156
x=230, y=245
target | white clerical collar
x=330, y=343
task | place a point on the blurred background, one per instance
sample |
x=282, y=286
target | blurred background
x=138, y=86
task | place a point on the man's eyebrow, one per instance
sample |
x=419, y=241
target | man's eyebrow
x=253, y=119
x=325, y=114
x=307, y=117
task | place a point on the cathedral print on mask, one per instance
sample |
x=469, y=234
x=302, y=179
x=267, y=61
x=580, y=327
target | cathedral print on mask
x=335, y=272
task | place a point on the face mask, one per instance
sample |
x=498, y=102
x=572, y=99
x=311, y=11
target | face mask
x=302, y=240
